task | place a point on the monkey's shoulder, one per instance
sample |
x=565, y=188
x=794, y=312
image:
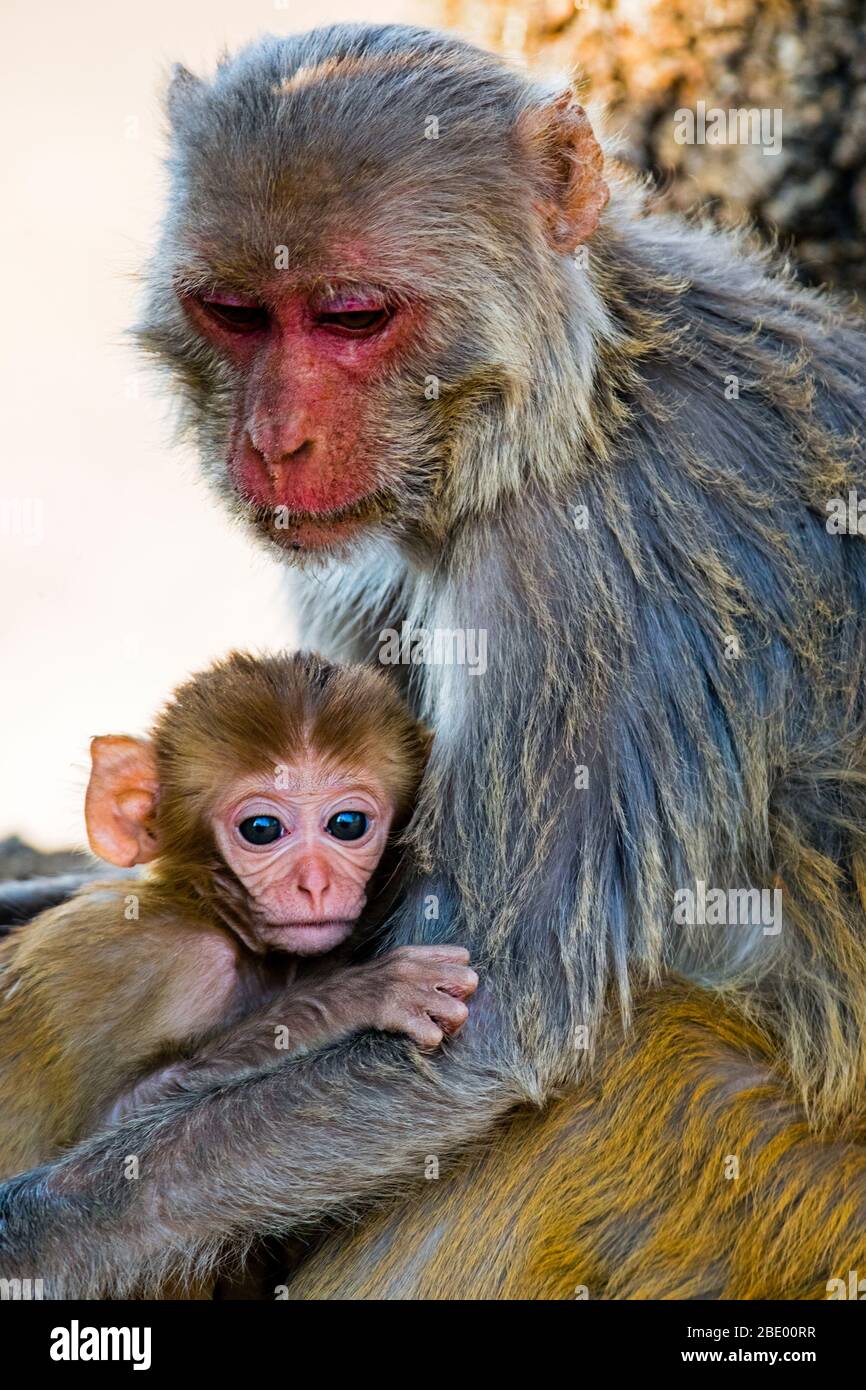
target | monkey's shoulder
x=110, y=932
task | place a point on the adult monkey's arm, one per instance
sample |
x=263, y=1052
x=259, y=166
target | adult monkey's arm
x=22, y=900
x=259, y=1155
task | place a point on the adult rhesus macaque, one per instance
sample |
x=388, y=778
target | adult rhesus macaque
x=429, y=359
x=265, y=801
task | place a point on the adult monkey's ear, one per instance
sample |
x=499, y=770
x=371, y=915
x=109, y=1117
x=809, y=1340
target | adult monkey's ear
x=122, y=796
x=568, y=166
x=183, y=90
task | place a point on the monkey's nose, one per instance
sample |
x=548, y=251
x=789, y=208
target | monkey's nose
x=272, y=475
x=279, y=439
x=313, y=883
x=276, y=466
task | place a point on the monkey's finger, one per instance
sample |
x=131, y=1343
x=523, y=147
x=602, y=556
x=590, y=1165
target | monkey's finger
x=423, y=1030
x=459, y=981
x=449, y=1013
x=457, y=955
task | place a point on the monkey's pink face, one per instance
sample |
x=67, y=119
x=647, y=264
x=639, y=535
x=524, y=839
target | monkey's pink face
x=300, y=451
x=304, y=851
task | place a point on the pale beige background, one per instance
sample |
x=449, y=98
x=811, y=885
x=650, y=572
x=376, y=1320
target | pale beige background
x=135, y=579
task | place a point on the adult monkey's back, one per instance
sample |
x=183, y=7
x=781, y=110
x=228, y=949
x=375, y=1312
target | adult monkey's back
x=617, y=465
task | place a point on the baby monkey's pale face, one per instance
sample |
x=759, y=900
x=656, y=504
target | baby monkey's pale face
x=304, y=844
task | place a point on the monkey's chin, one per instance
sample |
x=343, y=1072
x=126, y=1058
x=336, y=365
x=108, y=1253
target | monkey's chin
x=315, y=537
x=305, y=938
x=300, y=534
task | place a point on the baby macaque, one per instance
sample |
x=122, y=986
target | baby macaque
x=263, y=804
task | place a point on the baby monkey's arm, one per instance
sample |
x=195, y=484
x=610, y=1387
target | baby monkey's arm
x=416, y=990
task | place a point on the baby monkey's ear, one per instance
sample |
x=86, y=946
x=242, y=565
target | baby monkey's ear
x=122, y=796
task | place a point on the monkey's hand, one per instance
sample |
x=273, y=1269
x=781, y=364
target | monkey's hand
x=416, y=990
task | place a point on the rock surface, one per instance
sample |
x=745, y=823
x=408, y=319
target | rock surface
x=647, y=59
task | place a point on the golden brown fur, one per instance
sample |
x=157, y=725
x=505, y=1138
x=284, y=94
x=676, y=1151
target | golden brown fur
x=623, y=1190
x=87, y=1000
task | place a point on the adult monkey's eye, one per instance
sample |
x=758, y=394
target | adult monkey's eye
x=261, y=830
x=234, y=314
x=355, y=323
x=348, y=825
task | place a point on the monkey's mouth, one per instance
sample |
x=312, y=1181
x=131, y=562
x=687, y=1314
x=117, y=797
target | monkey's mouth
x=306, y=938
x=295, y=531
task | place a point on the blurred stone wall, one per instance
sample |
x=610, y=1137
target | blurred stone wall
x=646, y=59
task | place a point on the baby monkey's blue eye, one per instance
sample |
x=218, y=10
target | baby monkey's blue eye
x=347, y=825
x=261, y=830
